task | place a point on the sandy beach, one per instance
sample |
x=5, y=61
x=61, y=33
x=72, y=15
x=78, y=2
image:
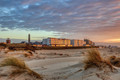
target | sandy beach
x=63, y=64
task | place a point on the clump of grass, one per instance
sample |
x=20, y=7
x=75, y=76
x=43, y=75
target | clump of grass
x=6, y=52
x=27, y=55
x=30, y=47
x=13, y=62
x=112, y=57
x=17, y=71
x=94, y=59
x=115, y=61
x=20, y=65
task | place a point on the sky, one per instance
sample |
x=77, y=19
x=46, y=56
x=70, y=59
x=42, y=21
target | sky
x=97, y=20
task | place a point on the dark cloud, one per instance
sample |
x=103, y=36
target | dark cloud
x=4, y=30
x=68, y=16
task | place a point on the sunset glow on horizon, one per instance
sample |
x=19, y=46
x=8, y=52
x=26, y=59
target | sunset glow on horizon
x=97, y=20
x=112, y=40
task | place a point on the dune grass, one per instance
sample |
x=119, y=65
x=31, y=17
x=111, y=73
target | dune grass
x=20, y=65
x=115, y=61
x=94, y=59
x=13, y=62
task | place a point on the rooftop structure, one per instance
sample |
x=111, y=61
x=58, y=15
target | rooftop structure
x=8, y=41
x=89, y=42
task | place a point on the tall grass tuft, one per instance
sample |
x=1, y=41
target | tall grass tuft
x=13, y=62
x=115, y=61
x=94, y=59
x=20, y=65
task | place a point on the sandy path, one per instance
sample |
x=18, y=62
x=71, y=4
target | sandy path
x=56, y=69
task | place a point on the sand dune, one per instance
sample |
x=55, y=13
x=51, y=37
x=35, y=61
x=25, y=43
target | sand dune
x=69, y=67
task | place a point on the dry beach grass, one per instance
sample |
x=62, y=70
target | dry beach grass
x=20, y=67
x=115, y=61
x=94, y=59
x=55, y=66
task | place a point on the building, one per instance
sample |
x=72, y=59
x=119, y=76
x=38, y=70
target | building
x=8, y=41
x=56, y=42
x=77, y=43
x=23, y=42
x=28, y=38
x=45, y=42
x=89, y=42
x=36, y=44
x=67, y=42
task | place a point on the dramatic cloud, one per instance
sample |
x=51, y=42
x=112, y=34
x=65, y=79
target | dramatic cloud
x=4, y=30
x=64, y=17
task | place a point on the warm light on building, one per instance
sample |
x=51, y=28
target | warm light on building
x=58, y=42
x=89, y=42
x=78, y=42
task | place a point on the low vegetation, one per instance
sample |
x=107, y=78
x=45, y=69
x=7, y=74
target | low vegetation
x=3, y=45
x=13, y=62
x=20, y=67
x=30, y=47
x=115, y=61
x=29, y=54
x=94, y=59
x=16, y=46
